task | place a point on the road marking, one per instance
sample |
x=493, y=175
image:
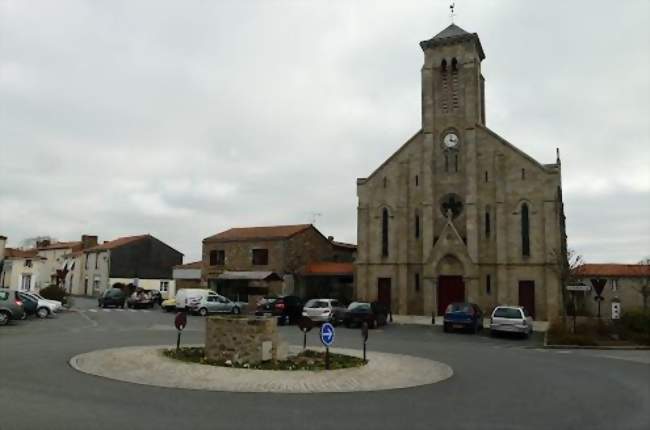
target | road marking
x=119, y=310
x=92, y=310
x=133, y=310
x=106, y=310
x=144, y=310
x=563, y=352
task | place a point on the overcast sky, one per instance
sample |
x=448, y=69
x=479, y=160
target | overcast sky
x=185, y=118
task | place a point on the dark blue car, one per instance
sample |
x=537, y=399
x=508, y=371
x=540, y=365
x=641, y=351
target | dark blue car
x=463, y=316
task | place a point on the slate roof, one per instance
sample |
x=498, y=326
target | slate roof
x=609, y=270
x=259, y=233
x=116, y=243
x=451, y=31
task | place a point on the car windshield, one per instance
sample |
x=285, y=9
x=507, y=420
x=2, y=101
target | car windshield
x=507, y=313
x=4, y=295
x=359, y=307
x=460, y=307
x=317, y=304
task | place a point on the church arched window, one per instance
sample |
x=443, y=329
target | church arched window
x=384, y=232
x=443, y=65
x=525, y=231
x=454, y=64
x=417, y=224
x=488, y=223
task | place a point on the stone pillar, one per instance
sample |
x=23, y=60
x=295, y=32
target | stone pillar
x=402, y=289
x=472, y=286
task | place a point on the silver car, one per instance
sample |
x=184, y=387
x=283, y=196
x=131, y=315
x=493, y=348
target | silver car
x=324, y=310
x=212, y=304
x=511, y=319
x=11, y=307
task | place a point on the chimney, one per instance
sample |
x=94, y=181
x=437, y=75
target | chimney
x=3, y=243
x=88, y=241
x=42, y=243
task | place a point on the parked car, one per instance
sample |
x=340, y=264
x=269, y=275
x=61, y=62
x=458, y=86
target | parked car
x=168, y=305
x=140, y=298
x=30, y=304
x=288, y=309
x=188, y=297
x=216, y=304
x=464, y=316
x=375, y=314
x=11, y=307
x=324, y=310
x=511, y=319
x=44, y=308
x=112, y=297
x=56, y=305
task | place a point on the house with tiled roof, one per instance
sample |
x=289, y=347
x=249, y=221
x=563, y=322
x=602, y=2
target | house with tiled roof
x=131, y=261
x=187, y=275
x=255, y=261
x=627, y=283
x=35, y=268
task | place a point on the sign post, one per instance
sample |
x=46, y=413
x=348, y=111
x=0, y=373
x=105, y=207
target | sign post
x=327, y=339
x=364, y=335
x=599, y=285
x=305, y=324
x=573, y=289
x=180, y=322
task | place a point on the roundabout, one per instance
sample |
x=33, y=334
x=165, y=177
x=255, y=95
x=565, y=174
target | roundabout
x=147, y=365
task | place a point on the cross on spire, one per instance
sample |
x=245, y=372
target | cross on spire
x=452, y=11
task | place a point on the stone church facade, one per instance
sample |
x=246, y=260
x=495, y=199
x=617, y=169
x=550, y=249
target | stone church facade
x=458, y=213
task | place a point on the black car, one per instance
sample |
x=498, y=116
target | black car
x=375, y=314
x=288, y=309
x=112, y=297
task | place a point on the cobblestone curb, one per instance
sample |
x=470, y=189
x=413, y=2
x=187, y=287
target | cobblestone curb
x=148, y=366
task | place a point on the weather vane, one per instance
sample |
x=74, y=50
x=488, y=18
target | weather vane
x=452, y=11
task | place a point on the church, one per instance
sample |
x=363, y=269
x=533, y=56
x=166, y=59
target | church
x=458, y=213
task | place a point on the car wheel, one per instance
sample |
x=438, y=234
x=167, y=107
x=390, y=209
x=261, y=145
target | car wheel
x=203, y=312
x=42, y=312
x=236, y=310
x=4, y=318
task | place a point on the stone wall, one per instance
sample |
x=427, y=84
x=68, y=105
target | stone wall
x=243, y=339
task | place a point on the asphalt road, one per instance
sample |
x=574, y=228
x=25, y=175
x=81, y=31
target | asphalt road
x=498, y=383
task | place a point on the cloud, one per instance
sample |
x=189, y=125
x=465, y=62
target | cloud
x=181, y=119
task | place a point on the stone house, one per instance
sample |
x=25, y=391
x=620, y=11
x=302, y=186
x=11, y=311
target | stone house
x=132, y=261
x=458, y=213
x=265, y=260
x=625, y=282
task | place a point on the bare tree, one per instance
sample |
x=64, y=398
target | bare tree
x=567, y=262
x=644, y=289
x=32, y=241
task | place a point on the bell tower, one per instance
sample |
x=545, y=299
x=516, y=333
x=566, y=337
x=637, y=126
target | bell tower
x=452, y=84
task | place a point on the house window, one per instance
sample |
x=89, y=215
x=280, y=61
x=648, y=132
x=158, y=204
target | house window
x=96, y=284
x=217, y=257
x=488, y=285
x=164, y=286
x=417, y=282
x=26, y=282
x=260, y=257
x=28, y=263
x=384, y=233
x=525, y=231
x=96, y=260
x=86, y=261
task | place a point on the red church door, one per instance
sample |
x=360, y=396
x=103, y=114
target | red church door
x=383, y=292
x=450, y=289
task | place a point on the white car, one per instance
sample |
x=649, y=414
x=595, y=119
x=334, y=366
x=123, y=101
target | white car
x=188, y=298
x=511, y=319
x=56, y=305
x=324, y=310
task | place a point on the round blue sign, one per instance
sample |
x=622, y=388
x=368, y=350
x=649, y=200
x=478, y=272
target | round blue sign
x=327, y=334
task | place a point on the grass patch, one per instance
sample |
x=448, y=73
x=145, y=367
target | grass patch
x=305, y=360
x=599, y=332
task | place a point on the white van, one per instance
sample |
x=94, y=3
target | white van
x=186, y=297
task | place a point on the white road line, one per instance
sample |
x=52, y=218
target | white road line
x=92, y=310
x=106, y=310
x=119, y=310
x=144, y=310
x=132, y=310
x=563, y=352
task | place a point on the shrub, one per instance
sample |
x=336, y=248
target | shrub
x=636, y=321
x=54, y=293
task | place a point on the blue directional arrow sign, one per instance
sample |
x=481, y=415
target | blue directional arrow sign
x=327, y=334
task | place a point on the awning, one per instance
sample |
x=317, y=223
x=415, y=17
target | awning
x=327, y=268
x=249, y=276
